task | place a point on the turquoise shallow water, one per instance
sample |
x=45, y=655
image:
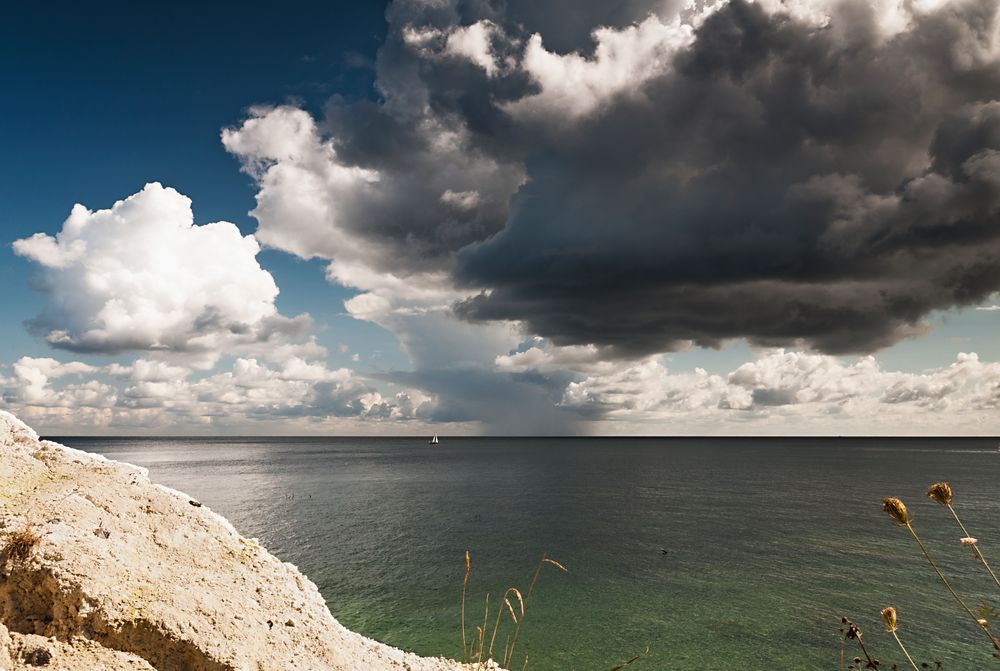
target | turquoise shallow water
x=768, y=541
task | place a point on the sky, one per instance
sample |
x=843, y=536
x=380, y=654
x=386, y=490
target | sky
x=649, y=217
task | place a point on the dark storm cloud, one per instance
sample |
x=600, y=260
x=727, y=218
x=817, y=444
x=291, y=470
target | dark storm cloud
x=423, y=98
x=772, y=187
x=779, y=181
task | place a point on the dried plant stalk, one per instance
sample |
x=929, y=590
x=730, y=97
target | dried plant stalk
x=897, y=511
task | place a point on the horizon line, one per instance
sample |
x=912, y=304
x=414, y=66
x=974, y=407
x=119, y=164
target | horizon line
x=535, y=437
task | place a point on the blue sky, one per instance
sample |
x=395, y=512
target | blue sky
x=111, y=99
x=418, y=172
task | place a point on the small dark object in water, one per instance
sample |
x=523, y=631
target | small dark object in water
x=196, y=504
x=665, y=551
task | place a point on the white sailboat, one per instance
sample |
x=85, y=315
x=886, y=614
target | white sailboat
x=434, y=440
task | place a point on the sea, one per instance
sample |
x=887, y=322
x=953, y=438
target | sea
x=699, y=554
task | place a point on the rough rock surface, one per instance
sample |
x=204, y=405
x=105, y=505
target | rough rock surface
x=126, y=574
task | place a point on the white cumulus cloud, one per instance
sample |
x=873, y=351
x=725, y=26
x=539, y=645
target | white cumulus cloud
x=546, y=358
x=142, y=276
x=32, y=385
x=786, y=392
x=294, y=395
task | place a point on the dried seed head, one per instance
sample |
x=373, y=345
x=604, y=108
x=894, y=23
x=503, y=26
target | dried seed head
x=889, y=618
x=940, y=492
x=968, y=540
x=556, y=564
x=467, y=564
x=510, y=609
x=896, y=510
x=520, y=599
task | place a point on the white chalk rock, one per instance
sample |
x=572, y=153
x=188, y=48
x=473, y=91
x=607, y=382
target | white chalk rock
x=127, y=574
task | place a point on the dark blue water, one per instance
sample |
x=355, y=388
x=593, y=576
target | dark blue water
x=768, y=542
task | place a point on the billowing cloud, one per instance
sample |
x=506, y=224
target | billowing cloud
x=775, y=182
x=32, y=378
x=355, y=202
x=626, y=179
x=388, y=229
x=294, y=394
x=364, y=220
x=538, y=356
x=575, y=85
x=784, y=392
x=778, y=392
x=546, y=197
x=811, y=173
x=143, y=276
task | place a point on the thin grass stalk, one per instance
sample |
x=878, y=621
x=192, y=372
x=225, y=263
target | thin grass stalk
x=496, y=625
x=479, y=654
x=871, y=662
x=465, y=584
x=854, y=633
x=553, y=562
x=517, y=627
x=631, y=660
x=975, y=546
x=903, y=648
x=984, y=627
x=482, y=632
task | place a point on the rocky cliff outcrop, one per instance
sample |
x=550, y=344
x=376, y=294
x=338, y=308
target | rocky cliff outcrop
x=102, y=569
